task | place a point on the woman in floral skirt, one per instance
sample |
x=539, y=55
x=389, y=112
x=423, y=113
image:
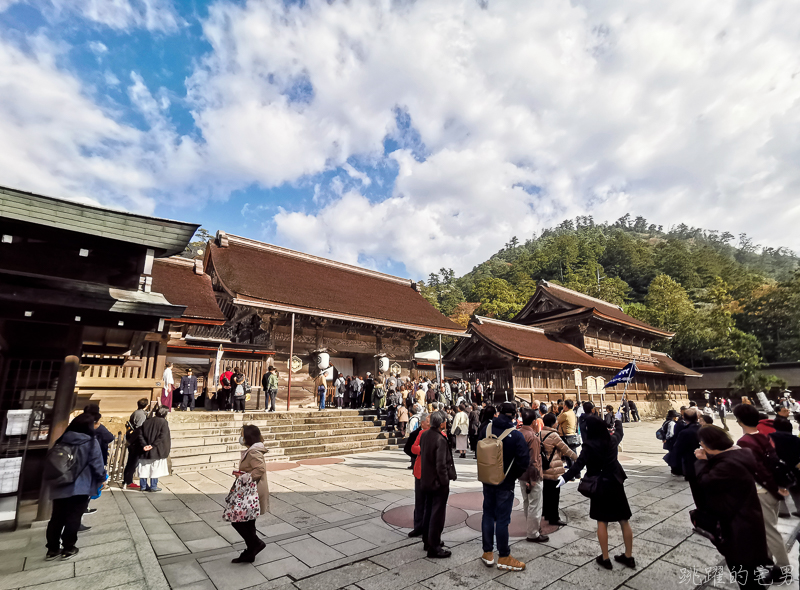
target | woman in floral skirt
x=253, y=464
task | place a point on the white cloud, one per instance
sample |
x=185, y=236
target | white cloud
x=153, y=15
x=58, y=142
x=677, y=111
x=98, y=48
x=523, y=114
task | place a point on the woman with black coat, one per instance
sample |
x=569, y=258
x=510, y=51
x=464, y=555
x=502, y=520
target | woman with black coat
x=728, y=492
x=154, y=440
x=609, y=503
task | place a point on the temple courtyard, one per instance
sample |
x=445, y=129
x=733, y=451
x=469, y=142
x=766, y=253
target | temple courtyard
x=343, y=523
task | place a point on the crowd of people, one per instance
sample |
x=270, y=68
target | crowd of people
x=537, y=449
x=739, y=488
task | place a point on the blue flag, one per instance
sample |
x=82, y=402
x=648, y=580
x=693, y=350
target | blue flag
x=626, y=375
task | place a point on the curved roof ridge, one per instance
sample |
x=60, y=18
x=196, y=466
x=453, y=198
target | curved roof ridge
x=582, y=295
x=281, y=251
x=482, y=319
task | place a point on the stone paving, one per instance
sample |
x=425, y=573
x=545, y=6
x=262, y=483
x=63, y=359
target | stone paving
x=339, y=525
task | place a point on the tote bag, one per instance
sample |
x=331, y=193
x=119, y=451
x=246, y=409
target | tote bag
x=242, y=501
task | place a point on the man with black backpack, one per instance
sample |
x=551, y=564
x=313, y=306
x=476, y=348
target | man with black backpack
x=74, y=470
x=770, y=492
x=499, y=479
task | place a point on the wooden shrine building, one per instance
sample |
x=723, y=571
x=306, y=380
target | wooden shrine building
x=240, y=302
x=534, y=356
x=75, y=284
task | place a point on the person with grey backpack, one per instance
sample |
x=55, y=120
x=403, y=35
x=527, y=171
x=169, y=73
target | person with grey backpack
x=503, y=456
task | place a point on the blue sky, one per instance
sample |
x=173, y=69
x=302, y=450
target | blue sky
x=406, y=136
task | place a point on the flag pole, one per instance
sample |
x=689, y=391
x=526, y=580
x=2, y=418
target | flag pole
x=291, y=356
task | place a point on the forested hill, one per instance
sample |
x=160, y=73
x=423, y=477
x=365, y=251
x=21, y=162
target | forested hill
x=727, y=299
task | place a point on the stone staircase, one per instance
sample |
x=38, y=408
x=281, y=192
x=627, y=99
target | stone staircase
x=210, y=440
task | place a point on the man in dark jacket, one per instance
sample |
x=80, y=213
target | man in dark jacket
x=787, y=446
x=634, y=411
x=588, y=410
x=474, y=426
x=419, y=497
x=136, y=420
x=498, y=500
x=437, y=469
x=747, y=417
x=681, y=458
x=188, y=390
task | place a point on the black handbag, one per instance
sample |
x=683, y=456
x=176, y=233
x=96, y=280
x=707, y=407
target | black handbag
x=707, y=525
x=589, y=485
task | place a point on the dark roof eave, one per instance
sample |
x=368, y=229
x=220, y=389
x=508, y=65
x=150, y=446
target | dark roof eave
x=240, y=300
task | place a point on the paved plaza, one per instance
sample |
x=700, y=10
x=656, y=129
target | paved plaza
x=342, y=523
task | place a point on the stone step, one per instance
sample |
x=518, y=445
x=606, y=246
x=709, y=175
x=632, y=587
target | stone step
x=338, y=453
x=273, y=458
x=202, y=458
x=336, y=438
x=341, y=448
x=277, y=430
x=186, y=420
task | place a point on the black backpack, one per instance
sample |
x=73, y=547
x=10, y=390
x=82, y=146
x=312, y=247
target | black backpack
x=61, y=465
x=545, y=459
x=661, y=433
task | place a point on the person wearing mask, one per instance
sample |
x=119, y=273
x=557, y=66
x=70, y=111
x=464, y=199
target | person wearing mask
x=498, y=500
x=224, y=392
x=769, y=492
x=567, y=428
x=252, y=462
x=554, y=449
x=239, y=393
x=269, y=382
x=437, y=470
x=154, y=440
x=459, y=428
x=70, y=500
x=411, y=449
x=530, y=482
x=134, y=451
x=681, y=458
x=188, y=390
x=727, y=491
x=609, y=503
